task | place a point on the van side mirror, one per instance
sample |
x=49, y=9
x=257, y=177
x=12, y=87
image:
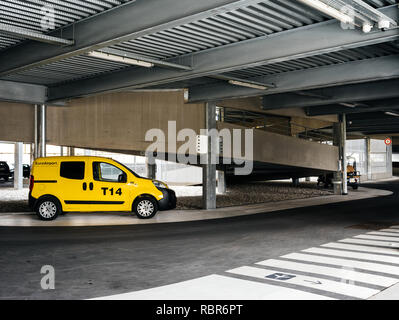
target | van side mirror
x=122, y=177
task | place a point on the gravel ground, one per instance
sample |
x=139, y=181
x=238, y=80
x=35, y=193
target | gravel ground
x=191, y=197
x=252, y=193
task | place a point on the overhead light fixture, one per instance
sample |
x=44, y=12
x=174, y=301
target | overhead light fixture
x=348, y=105
x=367, y=27
x=115, y=58
x=384, y=24
x=248, y=84
x=390, y=113
x=331, y=11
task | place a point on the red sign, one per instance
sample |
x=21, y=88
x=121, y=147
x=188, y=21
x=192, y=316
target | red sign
x=388, y=141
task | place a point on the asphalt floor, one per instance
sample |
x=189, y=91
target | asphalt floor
x=93, y=262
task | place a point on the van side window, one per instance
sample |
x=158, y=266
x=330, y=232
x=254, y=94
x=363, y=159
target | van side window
x=73, y=170
x=107, y=172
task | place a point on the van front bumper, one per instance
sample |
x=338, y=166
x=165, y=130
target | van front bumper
x=168, y=201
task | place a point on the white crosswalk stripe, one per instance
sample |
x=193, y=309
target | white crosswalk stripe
x=349, y=263
x=354, y=255
x=371, y=242
x=379, y=238
x=216, y=287
x=361, y=248
x=340, y=273
x=390, y=230
x=380, y=233
x=343, y=268
x=307, y=281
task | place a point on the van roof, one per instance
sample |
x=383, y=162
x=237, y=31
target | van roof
x=72, y=158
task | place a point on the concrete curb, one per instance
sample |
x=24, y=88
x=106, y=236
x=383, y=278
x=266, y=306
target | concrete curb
x=174, y=216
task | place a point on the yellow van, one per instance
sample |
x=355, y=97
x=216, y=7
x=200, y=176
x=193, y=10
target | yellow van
x=93, y=184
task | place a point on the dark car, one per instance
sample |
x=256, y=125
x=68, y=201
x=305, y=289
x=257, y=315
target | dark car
x=4, y=171
x=25, y=169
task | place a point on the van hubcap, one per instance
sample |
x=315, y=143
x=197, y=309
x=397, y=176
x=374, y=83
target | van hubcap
x=145, y=208
x=47, y=209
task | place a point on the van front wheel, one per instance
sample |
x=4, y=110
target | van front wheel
x=48, y=208
x=145, y=207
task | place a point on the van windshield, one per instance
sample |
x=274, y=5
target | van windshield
x=130, y=170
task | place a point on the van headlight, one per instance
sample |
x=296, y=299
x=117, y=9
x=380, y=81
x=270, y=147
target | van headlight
x=159, y=184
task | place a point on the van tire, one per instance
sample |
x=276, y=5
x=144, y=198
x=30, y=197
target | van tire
x=145, y=207
x=48, y=208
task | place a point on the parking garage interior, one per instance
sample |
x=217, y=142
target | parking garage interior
x=315, y=82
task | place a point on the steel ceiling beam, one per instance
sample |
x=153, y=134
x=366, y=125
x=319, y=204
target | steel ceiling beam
x=127, y=22
x=32, y=35
x=294, y=44
x=22, y=92
x=334, y=95
x=328, y=76
x=337, y=109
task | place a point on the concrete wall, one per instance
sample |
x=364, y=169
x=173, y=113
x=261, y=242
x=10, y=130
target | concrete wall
x=119, y=121
x=113, y=122
x=17, y=122
x=284, y=150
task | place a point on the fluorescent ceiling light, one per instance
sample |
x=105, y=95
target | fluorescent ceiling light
x=115, y=58
x=390, y=113
x=331, y=11
x=349, y=105
x=248, y=84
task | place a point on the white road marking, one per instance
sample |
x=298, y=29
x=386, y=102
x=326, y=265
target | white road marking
x=371, y=242
x=354, y=255
x=380, y=233
x=310, y=282
x=360, y=248
x=216, y=287
x=390, y=230
x=379, y=238
x=341, y=273
x=370, y=266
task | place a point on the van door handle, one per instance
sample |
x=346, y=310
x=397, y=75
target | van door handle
x=91, y=186
x=84, y=186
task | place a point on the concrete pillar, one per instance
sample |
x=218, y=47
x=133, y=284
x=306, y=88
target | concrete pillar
x=32, y=153
x=41, y=126
x=342, y=119
x=61, y=151
x=389, y=161
x=222, y=186
x=295, y=182
x=339, y=139
x=151, y=170
x=71, y=151
x=368, y=155
x=36, y=133
x=18, y=169
x=209, y=168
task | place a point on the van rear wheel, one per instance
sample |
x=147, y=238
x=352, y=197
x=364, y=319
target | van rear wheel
x=48, y=208
x=145, y=207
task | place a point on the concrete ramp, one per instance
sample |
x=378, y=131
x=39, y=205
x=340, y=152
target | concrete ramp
x=279, y=156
